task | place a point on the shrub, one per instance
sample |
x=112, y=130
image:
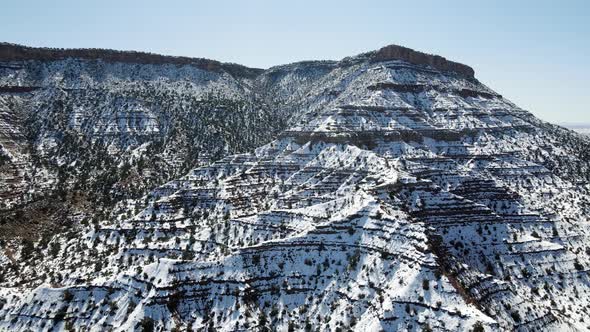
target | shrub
x=68, y=296
x=354, y=259
x=478, y=327
x=515, y=316
x=147, y=324
x=255, y=259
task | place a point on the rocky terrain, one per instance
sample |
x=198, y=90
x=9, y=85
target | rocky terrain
x=387, y=191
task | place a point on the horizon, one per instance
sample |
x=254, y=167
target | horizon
x=519, y=50
x=575, y=125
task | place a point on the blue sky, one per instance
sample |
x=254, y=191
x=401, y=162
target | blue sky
x=536, y=53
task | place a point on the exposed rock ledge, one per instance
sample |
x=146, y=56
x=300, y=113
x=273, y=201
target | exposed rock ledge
x=395, y=52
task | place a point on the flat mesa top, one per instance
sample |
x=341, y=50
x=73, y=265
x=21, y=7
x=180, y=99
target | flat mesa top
x=14, y=52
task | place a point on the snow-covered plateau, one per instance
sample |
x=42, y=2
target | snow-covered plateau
x=388, y=191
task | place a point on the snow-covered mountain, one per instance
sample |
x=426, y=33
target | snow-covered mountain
x=388, y=191
x=79, y=133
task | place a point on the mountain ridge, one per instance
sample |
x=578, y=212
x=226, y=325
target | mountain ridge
x=17, y=52
x=388, y=195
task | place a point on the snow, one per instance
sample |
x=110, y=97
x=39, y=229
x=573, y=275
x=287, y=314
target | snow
x=376, y=208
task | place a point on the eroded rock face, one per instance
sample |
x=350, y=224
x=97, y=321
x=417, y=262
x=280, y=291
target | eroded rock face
x=396, y=52
x=402, y=196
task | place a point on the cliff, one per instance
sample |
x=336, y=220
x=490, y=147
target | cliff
x=395, y=52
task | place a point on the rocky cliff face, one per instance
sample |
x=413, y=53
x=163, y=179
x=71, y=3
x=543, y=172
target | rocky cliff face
x=399, y=193
x=395, y=52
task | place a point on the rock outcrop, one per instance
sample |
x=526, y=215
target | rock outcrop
x=396, y=52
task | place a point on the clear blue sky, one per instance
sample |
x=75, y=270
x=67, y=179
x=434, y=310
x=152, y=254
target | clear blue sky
x=535, y=53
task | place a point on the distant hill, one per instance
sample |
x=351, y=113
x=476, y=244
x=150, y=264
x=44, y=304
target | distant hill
x=583, y=128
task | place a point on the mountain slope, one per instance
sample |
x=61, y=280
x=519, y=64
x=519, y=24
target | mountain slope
x=404, y=195
x=108, y=125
